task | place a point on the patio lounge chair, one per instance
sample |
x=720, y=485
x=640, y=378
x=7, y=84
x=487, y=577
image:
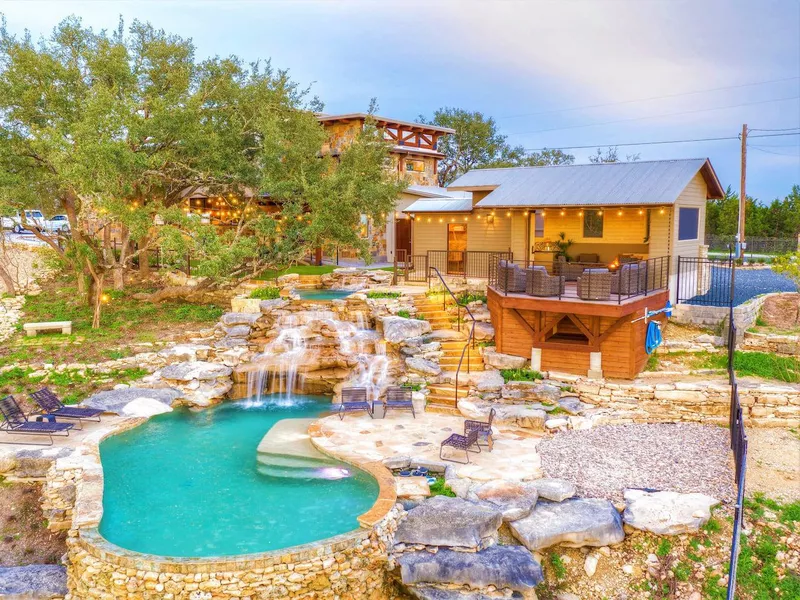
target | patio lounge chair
x=461, y=442
x=540, y=283
x=484, y=429
x=15, y=421
x=398, y=398
x=355, y=400
x=594, y=284
x=510, y=278
x=51, y=405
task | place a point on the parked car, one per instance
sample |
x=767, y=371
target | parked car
x=33, y=218
x=58, y=224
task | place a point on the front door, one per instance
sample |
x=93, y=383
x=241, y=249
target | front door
x=402, y=239
x=456, y=248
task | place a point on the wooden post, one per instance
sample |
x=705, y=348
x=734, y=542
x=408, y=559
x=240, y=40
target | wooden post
x=743, y=192
x=318, y=256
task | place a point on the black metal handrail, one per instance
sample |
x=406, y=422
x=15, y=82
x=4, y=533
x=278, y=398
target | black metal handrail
x=470, y=337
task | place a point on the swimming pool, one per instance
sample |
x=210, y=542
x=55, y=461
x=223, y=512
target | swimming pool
x=323, y=294
x=187, y=484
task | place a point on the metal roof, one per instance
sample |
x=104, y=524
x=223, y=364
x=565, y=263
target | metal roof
x=440, y=206
x=434, y=191
x=603, y=184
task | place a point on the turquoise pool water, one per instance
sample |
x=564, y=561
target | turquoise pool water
x=323, y=294
x=186, y=484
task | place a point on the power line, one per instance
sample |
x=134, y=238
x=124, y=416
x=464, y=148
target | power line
x=784, y=129
x=760, y=149
x=686, y=112
x=655, y=143
x=587, y=107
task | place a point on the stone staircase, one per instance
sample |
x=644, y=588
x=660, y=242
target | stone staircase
x=431, y=309
x=442, y=397
x=473, y=361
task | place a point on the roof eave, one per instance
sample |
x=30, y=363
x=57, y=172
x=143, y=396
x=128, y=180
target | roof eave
x=713, y=184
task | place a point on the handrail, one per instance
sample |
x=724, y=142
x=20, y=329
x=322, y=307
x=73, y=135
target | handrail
x=470, y=337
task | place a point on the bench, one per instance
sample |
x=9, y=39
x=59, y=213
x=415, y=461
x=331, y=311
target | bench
x=31, y=329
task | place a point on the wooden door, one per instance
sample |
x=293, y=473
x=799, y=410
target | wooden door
x=456, y=248
x=402, y=237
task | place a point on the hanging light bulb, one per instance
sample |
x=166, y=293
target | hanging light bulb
x=641, y=212
x=619, y=213
x=563, y=213
x=508, y=214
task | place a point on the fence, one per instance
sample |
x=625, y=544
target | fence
x=410, y=267
x=705, y=281
x=581, y=280
x=474, y=264
x=755, y=245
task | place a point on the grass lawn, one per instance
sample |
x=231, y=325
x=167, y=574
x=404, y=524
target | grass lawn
x=753, y=364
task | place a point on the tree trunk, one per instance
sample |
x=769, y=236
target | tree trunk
x=119, y=277
x=97, y=284
x=8, y=282
x=144, y=258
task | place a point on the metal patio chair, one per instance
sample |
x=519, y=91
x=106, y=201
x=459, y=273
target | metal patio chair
x=15, y=421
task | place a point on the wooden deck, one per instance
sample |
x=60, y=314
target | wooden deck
x=571, y=335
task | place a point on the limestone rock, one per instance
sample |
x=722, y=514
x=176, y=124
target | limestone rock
x=575, y=523
x=514, y=500
x=233, y=318
x=145, y=407
x=531, y=391
x=115, y=401
x=200, y=370
x=502, y=361
x=444, y=335
x=489, y=381
x=572, y=405
x=483, y=331
x=423, y=366
x=184, y=352
x=555, y=490
x=237, y=331
x=33, y=582
x=34, y=462
x=510, y=567
x=667, y=513
x=590, y=564
x=268, y=306
x=444, y=521
x=429, y=592
x=398, y=329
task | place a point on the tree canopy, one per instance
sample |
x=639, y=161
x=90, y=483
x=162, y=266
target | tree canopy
x=477, y=143
x=778, y=219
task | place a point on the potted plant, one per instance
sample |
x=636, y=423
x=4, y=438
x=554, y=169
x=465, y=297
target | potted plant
x=562, y=245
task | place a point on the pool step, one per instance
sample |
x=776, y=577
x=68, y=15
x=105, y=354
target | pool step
x=296, y=473
x=296, y=467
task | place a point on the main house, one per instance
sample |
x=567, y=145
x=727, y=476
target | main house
x=572, y=253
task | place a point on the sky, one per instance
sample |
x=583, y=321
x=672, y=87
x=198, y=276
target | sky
x=553, y=73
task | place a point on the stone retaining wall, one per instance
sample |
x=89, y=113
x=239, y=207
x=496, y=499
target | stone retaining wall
x=764, y=405
x=770, y=342
x=744, y=315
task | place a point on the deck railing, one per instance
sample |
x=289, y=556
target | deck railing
x=580, y=280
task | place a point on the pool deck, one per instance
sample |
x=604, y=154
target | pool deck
x=362, y=439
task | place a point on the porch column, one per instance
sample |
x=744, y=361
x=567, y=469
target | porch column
x=595, y=365
x=536, y=359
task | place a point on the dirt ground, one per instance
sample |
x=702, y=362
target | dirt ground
x=24, y=537
x=773, y=463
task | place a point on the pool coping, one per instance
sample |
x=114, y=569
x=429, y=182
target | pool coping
x=88, y=512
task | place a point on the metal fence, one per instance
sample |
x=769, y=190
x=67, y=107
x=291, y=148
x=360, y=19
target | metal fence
x=755, y=245
x=705, y=281
x=410, y=268
x=475, y=264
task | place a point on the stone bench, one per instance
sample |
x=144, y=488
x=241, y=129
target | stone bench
x=32, y=329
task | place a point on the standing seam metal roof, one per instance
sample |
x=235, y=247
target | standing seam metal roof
x=611, y=184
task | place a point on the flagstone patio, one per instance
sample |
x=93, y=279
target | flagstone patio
x=361, y=438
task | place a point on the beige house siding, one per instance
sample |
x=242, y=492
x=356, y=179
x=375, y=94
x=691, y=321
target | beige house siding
x=430, y=233
x=694, y=196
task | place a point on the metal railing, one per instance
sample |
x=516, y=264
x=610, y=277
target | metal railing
x=738, y=445
x=472, y=264
x=705, y=281
x=410, y=267
x=470, y=338
x=583, y=281
x=755, y=245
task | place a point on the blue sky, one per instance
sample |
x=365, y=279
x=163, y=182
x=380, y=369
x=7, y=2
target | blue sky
x=523, y=62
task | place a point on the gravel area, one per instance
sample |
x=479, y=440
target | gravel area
x=603, y=461
x=749, y=284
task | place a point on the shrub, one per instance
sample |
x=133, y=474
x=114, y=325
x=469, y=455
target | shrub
x=520, y=375
x=467, y=297
x=266, y=293
x=403, y=313
x=378, y=294
x=440, y=488
x=559, y=569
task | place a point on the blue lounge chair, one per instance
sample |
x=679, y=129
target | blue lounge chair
x=355, y=400
x=15, y=421
x=52, y=406
x=398, y=398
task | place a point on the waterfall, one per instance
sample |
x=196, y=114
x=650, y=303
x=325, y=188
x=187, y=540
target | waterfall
x=279, y=362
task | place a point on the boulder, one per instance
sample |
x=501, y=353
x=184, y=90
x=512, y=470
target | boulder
x=489, y=381
x=200, y=370
x=236, y=318
x=33, y=582
x=267, y=306
x=423, y=366
x=288, y=279
x=444, y=521
x=572, y=405
x=504, y=567
x=399, y=329
x=237, y=331
x=34, y=462
x=184, y=352
x=574, y=523
x=555, y=490
x=444, y=335
x=483, y=331
x=667, y=513
x=514, y=500
x=145, y=407
x=499, y=360
x=397, y=462
x=429, y=592
x=531, y=391
x=115, y=401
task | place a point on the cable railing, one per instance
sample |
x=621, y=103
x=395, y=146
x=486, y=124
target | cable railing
x=470, y=337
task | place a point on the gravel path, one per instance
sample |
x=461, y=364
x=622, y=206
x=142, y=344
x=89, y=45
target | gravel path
x=749, y=284
x=603, y=461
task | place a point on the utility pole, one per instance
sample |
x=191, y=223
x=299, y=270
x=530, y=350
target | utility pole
x=740, y=240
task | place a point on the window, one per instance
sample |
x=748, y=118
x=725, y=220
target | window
x=415, y=165
x=688, y=222
x=592, y=223
x=538, y=222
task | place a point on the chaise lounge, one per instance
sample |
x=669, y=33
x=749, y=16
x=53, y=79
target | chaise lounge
x=398, y=398
x=52, y=406
x=461, y=442
x=15, y=421
x=355, y=400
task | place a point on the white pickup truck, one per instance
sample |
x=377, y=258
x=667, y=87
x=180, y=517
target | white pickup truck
x=35, y=218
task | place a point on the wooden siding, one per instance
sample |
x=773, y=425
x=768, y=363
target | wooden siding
x=430, y=233
x=693, y=196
